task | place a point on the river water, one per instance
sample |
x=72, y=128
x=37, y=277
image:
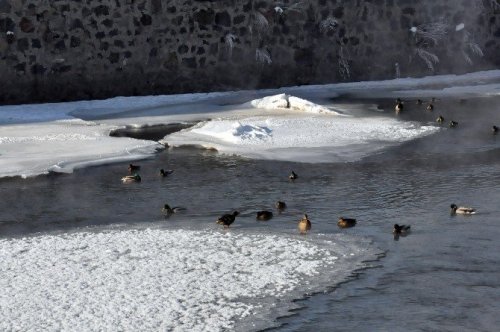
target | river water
x=443, y=276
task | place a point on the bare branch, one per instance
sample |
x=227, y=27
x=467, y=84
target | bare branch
x=429, y=58
x=263, y=56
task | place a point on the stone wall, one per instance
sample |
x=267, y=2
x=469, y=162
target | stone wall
x=54, y=50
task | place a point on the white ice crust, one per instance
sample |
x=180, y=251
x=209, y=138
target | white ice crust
x=39, y=138
x=164, y=280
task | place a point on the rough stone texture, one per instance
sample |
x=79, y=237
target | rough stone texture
x=53, y=50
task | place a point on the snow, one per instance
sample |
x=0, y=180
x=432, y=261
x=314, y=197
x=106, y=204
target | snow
x=303, y=120
x=459, y=27
x=168, y=280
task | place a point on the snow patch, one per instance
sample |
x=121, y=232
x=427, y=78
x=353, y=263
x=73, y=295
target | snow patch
x=164, y=280
x=285, y=101
x=459, y=27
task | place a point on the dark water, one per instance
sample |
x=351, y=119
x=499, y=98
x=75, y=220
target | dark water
x=444, y=276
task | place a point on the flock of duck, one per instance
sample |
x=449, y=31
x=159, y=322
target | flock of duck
x=430, y=107
x=304, y=224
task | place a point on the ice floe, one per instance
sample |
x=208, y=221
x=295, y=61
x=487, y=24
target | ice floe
x=156, y=279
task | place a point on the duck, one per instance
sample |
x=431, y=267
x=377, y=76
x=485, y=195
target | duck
x=165, y=173
x=264, y=215
x=419, y=102
x=133, y=168
x=227, y=219
x=131, y=178
x=399, y=107
x=346, y=222
x=304, y=225
x=171, y=210
x=440, y=119
x=280, y=205
x=293, y=176
x=453, y=124
x=401, y=229
x=462, y=209
x=430, y=107
x=494, y=130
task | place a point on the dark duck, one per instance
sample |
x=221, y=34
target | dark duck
x=227, y=219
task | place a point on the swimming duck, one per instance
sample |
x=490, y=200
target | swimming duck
x=346, y=222
x=227, y=219
x=453, y=124
x=280, y=205
x=430, y=107
x=131, y=178
x=133, y=168
x=304, y=225
x=401, y=229
x=165, y=173
x=494, y=130
x=440, y=119
x=462, y=210
x=399, y=107
x=264, y=215
x=293, y=176
x=171, y=210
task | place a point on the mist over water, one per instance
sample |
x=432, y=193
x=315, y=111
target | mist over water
x=442, y=276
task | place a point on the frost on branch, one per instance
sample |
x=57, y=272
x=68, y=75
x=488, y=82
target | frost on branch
x=229, y=40
x=429, y=33
x=259, y=22
x=281, y=8
x=429, y=58
x=328, y=24
x=344, y=68
x=263, y=56
x=470, y=47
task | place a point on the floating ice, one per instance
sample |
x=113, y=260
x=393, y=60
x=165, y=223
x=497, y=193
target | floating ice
x=164, y=280
x=301, y=138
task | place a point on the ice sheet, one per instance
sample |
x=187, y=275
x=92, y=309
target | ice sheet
x=156, y=279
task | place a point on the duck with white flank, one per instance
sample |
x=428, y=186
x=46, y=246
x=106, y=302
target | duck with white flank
x=293, y=176
x=227, y=219
x=131, y=178
x=462, y=210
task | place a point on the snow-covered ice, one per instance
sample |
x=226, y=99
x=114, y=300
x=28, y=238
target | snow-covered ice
x=36, y=139
x=156, y=279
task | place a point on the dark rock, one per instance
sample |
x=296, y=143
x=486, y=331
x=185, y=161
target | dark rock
x=189, y=62
x=114, y=57
x=6, y=24
x=74, y=42
x=23, y=44
x=60, y=45
x=223, y=19
x=101, y=10
x=239, y=19
x=107, y=23
x=35, y=43
x=5, y=6
x=204, y=16
x=26, y=25
x=20, y=67
x=38, y=69
x=100, y=35
x=76, y=24
x=119, y=43
x=156, y=6
x=183, y=49
x=146, y=20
